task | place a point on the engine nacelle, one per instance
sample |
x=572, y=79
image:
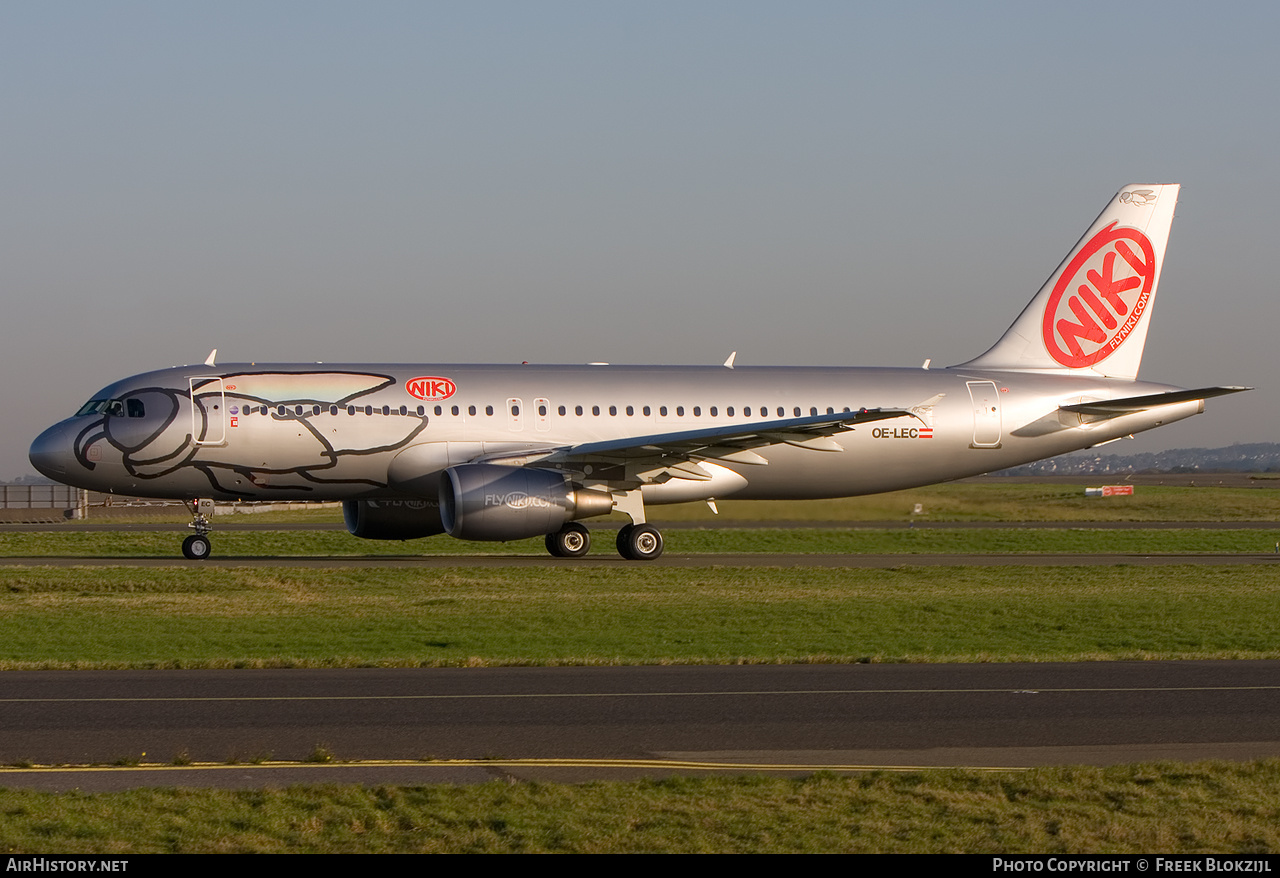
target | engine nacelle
x=392, y=519
x=481, y=501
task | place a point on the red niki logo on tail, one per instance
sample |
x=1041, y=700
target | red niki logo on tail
x=1100, y=297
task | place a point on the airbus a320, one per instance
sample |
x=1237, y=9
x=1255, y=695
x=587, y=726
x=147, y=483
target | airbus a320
x=498, y=452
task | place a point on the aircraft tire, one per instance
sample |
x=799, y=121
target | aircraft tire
x=571, y=541
x=624, y=545
x=196, y=547
x=640, y=542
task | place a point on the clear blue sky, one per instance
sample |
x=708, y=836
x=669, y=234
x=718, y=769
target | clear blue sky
x=832, y=183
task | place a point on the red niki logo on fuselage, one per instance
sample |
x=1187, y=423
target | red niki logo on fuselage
x=1100, y=297
x=430, y=387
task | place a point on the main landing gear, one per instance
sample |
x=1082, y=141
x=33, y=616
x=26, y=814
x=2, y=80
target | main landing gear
x=637, y=541
x=571, y=541
x=197, y=547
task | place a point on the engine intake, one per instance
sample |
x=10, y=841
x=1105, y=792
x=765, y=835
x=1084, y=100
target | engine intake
x=481, y=501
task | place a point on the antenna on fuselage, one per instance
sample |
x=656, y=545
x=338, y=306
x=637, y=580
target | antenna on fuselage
x=213, y=354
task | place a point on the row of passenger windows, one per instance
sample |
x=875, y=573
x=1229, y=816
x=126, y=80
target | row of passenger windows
x=300, y=411
x=696, y=411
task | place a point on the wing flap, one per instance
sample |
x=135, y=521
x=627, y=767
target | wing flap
x=722, y=441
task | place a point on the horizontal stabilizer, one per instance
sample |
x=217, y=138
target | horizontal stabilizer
x=1130, y=404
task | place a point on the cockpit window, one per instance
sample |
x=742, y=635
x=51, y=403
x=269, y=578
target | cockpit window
x=112, y=407
x=116, y=408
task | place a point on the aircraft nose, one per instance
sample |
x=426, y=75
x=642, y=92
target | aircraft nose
x=51, y=452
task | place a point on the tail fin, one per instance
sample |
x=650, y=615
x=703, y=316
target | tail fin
x=1093, y=312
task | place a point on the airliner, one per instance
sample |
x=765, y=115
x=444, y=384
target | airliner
x=506, y=452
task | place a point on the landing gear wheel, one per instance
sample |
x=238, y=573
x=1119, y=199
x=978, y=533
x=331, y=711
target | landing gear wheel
x=571, y=541
x=639, y=542
x=624, y=535
x=196, y=547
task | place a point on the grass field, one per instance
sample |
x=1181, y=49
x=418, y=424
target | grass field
x=257, y=545
x=257, y=616
x=1159, y=807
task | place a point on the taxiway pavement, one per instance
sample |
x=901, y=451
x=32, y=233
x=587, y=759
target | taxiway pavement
x=570, y=724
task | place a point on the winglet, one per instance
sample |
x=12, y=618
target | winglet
x=728, y=364
x=213, y=354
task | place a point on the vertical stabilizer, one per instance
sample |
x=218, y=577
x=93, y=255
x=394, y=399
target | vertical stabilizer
x=1093, y=312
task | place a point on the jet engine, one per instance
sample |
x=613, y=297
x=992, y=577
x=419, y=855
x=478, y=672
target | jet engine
x=392, y=519
x=480, y=501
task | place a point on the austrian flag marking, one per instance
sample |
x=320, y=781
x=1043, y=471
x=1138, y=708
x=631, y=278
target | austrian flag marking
x=430, y=387
x=1100, y=297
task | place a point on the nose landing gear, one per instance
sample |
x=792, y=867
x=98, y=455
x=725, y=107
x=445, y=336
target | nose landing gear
x=197, y=547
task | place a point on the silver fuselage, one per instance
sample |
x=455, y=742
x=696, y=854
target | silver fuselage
x=341, y=432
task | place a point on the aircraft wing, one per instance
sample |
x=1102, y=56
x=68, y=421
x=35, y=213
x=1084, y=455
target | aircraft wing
x=660, y=456
x=1111, y=408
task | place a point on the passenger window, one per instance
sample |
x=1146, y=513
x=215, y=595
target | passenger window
x=781, y=411
x=471, y=410
x=351, y=410
x=333, y=409
x=404, y=410
x=315, y=410
x=797, y=411
x=630, y=411
x=713, y=411
x=813, y=410
x=646, y=411
x=729, y=411
x=439, y=411
x=697, y=411
x=542, y=411
x=595, y=410
x=577, y=410
x=562, y=411
x=297, y=410
x=421, y=411
x=662, y=411
x=679, y=411
x=746, y=411
x=613, y=411
x=455, y=410
x=368, y=410
x=386, y=410
x=488, y=410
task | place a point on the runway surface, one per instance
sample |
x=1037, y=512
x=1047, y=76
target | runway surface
x=571, y=724
x=764, y=559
